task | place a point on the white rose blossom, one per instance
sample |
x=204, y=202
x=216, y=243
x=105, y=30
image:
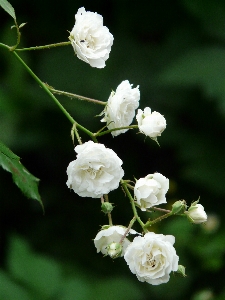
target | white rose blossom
x=150, y=123
x=152, y=257
x=151, y=190
x=96, y=171
x=196, y=213
x=91, y=40
x=112, y=234
x=120, y=109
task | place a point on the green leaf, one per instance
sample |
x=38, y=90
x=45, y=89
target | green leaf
x=27, y=183
x=8, y=8
x=10, y=289
x=40, y=274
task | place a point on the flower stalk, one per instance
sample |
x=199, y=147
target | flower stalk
x=44, y=47
x=150, y=223
x=71, y=95
x=128, y=229
x=124, y=185
x=18, y=36
x=115, y=129
x=106, y=197
x=46, y=89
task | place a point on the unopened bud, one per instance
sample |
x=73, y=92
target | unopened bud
x=179, y=207
x=181, y=271
x=114, y=250
x=107, y=207
x=196, y=213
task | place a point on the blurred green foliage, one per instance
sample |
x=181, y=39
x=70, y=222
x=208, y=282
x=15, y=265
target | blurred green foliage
x=175, y=51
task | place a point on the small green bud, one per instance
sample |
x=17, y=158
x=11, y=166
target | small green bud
x=181, y=271
x=179, y=207
x=114, y=250
x=107, y=207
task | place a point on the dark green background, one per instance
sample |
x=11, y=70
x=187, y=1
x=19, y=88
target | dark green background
x=175, y=52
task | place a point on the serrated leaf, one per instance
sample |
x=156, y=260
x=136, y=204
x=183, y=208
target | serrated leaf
x=27, y=183
x=8, y=8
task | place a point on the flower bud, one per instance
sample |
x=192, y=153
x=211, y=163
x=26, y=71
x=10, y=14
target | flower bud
x=179, y=207
x=181, y=271
x=150, y=123
x=114, y=250
x=107, y=207
x=196, y=213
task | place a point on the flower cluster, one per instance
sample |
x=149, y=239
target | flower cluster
x=97, y=170
x=151, y=257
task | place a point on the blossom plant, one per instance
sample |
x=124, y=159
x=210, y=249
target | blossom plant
x=97, y=170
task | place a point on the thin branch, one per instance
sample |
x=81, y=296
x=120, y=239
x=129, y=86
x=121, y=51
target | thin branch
x=128, y=229
x=116, y=129
x=71, y=95
x=44, y=47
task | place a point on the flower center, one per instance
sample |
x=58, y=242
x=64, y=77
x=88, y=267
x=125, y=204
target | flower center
x=89, y=41
x=93, y=173
x=151, y=262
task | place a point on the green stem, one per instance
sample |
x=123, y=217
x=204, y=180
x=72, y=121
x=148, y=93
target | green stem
x=106, y=197
x=130, y=186
x=159, y=209
x=18, y=36
x=128, y=229
x=124, y=185
x=54, y=98
x=114, y=129
x=150, y=223
x=5, y=46
x=74, y=130
x=45, y=47
x=70, y=95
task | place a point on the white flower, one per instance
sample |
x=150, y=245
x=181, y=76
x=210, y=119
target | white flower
x=196, y=213
x=151, y=190
x=150, y=123
x=152, y=257
x=120, y=109
x=96, y=171
x=112, y=234
x=91, y=40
